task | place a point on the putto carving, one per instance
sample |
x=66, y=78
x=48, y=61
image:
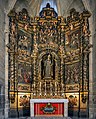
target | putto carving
x=74, y=16
x=23, y=16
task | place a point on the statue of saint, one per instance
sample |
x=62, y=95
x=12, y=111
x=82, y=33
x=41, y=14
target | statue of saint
x=48, y=66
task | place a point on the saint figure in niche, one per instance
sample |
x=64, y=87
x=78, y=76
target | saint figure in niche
x=48, y=67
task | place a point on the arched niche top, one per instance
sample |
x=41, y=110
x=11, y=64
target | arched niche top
x=44, y=53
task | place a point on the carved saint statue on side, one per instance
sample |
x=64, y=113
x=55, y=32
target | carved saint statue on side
x=48, y=66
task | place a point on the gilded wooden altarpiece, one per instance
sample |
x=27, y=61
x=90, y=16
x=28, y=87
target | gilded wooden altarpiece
x=49, y=56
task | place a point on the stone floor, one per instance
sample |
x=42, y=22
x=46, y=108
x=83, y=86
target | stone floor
x=2, y=117
x=46, y=118
x=49, y=118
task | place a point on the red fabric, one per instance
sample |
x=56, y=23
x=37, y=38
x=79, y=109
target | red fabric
x=59, y=109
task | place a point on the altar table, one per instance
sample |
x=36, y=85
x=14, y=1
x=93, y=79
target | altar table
x=49, y=107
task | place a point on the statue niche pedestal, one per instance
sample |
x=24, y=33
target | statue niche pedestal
x=49, y=107
x=48, y=78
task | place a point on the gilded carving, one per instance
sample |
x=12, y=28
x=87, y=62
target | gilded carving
x=48, y=55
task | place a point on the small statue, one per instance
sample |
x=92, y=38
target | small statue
x=48, y=67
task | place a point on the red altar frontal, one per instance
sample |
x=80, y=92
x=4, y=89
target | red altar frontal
x=49, y=107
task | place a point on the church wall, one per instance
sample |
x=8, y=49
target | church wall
x=2, y=62
x=67, y=5
x=32, y=7
x=1, y=44
x=92, y=106
x=91, y=6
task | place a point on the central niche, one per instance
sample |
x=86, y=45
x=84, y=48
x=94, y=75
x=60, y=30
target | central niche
x=48, y=67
